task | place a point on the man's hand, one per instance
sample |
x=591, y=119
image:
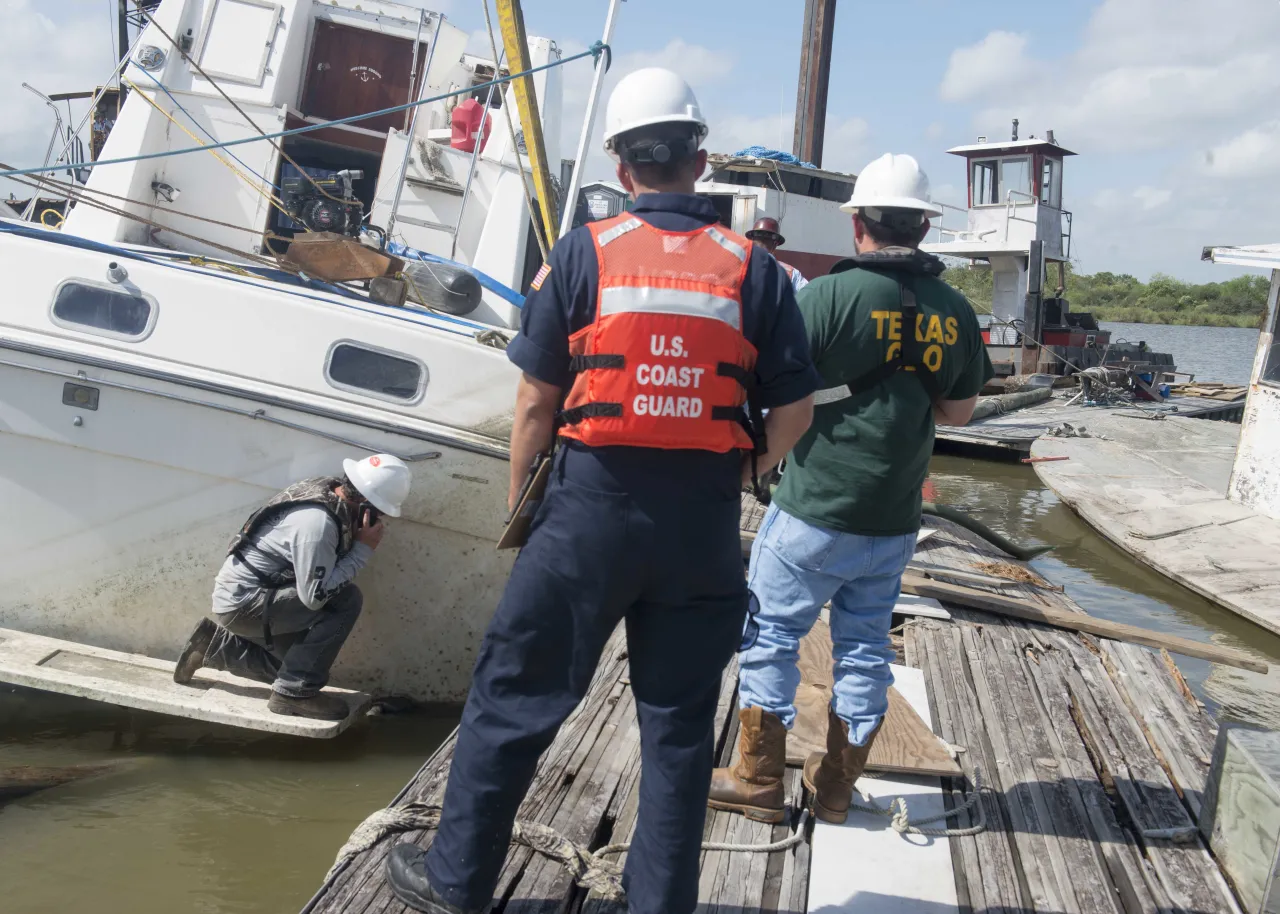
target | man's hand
x=370, y=536
x=536, y=405
x=783, y=427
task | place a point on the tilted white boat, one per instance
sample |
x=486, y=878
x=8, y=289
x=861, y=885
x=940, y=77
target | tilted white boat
x=157, y=380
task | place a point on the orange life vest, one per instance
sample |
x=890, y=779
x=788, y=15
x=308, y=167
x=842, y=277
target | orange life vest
x=664, y=364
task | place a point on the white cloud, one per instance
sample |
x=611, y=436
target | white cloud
x=988, y=66
x=934, y=131
x=1152, y=197
x=1252, y=154
x=1148, y=73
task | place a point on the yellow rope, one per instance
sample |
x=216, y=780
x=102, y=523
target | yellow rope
x=197, y=261
x=279, y=204
x=59, y=216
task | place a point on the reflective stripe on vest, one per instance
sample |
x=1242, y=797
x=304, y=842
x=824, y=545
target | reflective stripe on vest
x=664, y=364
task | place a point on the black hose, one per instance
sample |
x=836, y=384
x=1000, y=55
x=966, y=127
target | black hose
x=955, y=515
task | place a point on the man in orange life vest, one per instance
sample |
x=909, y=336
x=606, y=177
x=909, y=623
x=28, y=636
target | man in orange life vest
x=640, y=342
x=768, y=234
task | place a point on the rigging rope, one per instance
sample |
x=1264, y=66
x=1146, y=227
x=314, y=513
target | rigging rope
x=594, y=51
x=270, y=197
x=211, y=81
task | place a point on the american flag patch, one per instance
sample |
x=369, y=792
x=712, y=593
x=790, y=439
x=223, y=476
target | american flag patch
x=541, y=275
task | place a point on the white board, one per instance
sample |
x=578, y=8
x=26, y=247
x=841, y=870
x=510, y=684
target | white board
x=910, y=604
x=134, y=681
x=864, y=866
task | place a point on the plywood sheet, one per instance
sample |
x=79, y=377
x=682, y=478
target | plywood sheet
x=134, y=681
x=906, y=743
x=864, y=866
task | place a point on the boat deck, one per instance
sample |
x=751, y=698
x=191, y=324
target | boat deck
x=1011, y=434
x=1092, y=753
x=1158, y=491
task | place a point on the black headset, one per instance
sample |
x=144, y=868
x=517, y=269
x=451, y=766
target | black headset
x=658, y=151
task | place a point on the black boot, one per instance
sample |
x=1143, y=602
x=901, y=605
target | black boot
x=317, y=707
x=407, y=876
x=192, y=656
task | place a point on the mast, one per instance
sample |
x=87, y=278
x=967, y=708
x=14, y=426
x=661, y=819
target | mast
x=815, y=77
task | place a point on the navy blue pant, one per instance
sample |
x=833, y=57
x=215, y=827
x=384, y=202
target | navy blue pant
x=671, y=567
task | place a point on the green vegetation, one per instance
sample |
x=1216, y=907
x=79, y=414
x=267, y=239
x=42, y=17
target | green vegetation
x=1239, y=302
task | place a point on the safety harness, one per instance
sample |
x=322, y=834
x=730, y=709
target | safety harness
x=318, y=491
x=905, y=263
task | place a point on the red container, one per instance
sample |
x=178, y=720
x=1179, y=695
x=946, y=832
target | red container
x=470, y=120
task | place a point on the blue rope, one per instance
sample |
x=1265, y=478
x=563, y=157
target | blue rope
x=594, y=51
x=191, y=117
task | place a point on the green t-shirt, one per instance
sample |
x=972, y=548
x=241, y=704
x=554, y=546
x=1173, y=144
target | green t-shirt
x=860, y=466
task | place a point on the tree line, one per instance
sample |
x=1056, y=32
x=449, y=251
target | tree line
x=1239, y=302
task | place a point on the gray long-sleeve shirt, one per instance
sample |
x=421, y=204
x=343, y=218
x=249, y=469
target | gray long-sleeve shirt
x=303, y=540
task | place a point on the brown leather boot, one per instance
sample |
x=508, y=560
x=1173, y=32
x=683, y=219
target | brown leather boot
x=830, y=776
x=754, y=786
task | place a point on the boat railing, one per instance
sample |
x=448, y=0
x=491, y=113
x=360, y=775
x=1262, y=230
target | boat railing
x=960, y=234
x=1011, y=209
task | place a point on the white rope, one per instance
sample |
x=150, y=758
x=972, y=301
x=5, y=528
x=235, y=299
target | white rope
x=589, y=870
x=903, y=824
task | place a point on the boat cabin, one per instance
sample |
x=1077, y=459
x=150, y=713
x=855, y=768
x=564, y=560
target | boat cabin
x=1014, y=223
x=266, y=66
x=805, y=201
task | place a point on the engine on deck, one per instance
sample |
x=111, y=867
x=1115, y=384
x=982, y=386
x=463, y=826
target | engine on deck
x=321, y=200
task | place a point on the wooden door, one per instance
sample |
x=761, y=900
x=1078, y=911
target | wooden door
x=353, y=71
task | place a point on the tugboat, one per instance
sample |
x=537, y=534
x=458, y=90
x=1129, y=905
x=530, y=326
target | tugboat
x=1015, y=225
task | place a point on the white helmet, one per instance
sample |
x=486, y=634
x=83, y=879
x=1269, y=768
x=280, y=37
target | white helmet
x=892, y=182
x=383, y=479
x=651, y=96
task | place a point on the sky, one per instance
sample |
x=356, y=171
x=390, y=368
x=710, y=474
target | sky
x=1172, y=105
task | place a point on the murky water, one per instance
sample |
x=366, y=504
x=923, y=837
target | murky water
x=208, y=819
x=197, y=818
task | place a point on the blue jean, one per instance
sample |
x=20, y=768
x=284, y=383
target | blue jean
x=796, y=568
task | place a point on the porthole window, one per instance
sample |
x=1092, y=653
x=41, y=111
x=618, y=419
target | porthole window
x=376, y=372
x=105, y=310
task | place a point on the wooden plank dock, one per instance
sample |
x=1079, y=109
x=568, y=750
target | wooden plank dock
x=1011, y=434
x=1158, y=490
x=1093, y=754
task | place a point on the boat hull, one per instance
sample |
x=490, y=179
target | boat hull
x=119, y=517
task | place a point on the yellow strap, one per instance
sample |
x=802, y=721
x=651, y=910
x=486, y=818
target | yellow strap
x=511, y=21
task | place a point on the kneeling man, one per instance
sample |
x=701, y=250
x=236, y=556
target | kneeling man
x=284, y=602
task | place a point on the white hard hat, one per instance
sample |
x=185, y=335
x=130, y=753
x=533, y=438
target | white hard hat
x=651, y=96
x=383, y=479
x=892, y=182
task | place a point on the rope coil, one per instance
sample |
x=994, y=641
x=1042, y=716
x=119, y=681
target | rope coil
x=591, y=871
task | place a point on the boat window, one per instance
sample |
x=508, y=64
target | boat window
x=105, y=310
x=1015, y=176
x=1051, y=182
x=376, y=372
x=985, y=189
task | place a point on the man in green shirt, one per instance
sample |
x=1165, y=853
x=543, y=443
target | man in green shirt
x=898, y=351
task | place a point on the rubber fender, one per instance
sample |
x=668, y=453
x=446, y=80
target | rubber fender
x=1022, y=553
x=442, y=287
